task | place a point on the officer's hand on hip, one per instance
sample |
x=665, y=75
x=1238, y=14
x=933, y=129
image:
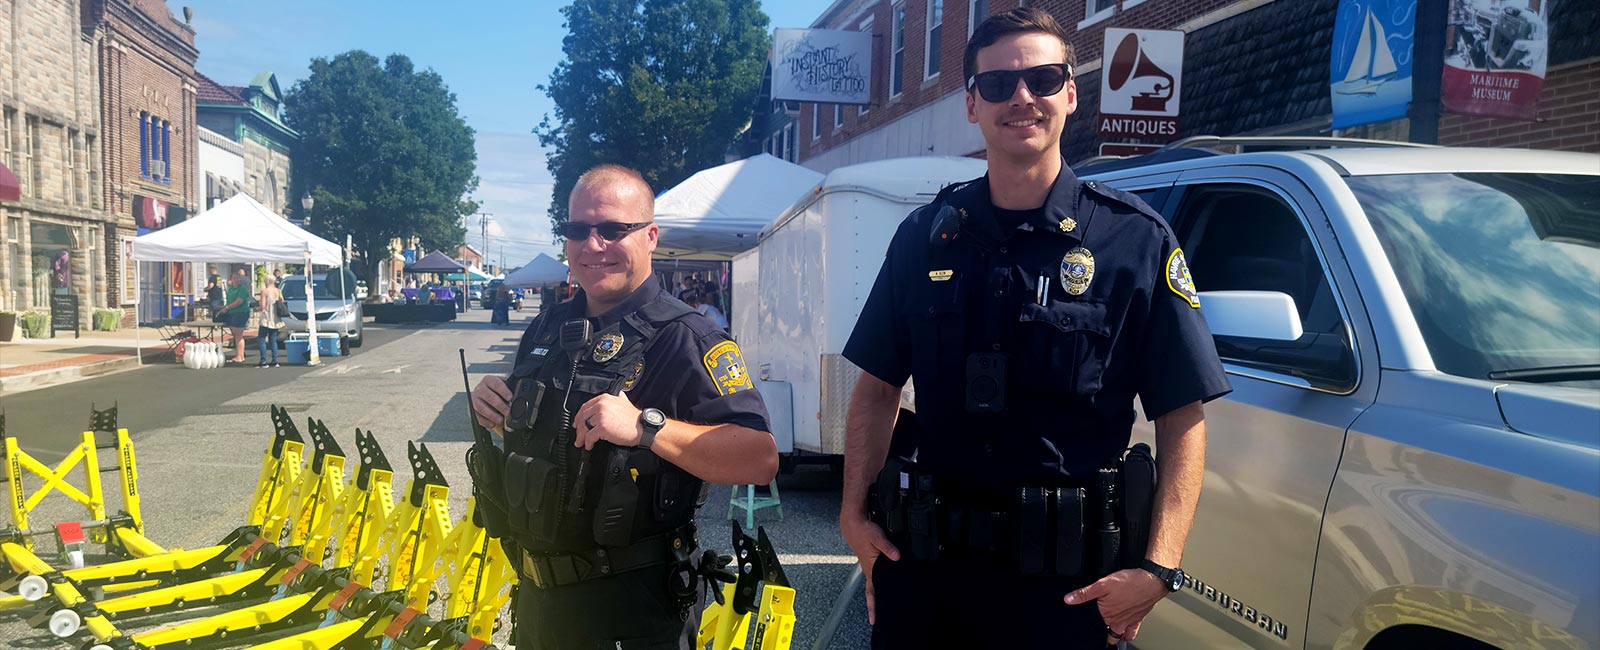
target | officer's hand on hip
x=612, y=418
x=868, y=542
x=491, y=400
x=1125, y=598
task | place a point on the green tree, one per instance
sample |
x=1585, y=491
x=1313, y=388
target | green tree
x=662, y=86
x=383, y=151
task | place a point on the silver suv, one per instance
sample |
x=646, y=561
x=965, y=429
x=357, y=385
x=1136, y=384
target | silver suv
x=338, y=310
x=1409, y=457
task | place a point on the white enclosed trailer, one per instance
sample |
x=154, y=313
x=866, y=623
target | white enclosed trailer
x=797, y=295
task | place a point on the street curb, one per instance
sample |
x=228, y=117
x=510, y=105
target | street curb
x=69, y=374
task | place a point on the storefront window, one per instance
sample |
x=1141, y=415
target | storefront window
x=15, y=257
x=93, y=268
x=51, y=252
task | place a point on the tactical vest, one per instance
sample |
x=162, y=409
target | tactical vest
x=628, y=493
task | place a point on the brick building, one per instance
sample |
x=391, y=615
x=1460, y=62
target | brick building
x=146, y=60
x=251, y=117
x=1251, y=67
x=51, y=210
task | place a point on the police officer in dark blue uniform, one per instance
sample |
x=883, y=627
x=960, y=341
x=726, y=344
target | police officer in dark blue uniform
x=1030, y=308
x=622, y=404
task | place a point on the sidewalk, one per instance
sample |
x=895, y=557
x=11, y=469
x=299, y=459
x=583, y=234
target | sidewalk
x=26, y=364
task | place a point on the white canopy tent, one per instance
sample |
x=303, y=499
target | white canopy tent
x=718, y=212
x=543, y=269
x=242, y=230
x=237, y=230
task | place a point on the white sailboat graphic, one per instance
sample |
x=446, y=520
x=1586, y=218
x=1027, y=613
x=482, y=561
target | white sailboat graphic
x=1373, y=63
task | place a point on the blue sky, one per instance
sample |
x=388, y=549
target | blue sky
x=491, y=53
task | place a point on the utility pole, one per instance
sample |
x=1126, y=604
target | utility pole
x=483, y=226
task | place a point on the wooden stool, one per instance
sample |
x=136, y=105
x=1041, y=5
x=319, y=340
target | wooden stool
x=750, y=503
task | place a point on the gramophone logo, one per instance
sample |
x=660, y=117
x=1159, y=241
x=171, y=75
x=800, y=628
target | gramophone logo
x=1140, y=82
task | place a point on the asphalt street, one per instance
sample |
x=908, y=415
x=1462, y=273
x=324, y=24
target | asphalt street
x=199, y=437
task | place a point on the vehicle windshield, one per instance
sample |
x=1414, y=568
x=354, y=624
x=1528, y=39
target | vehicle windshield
x=294, y=288
x=1500, y=269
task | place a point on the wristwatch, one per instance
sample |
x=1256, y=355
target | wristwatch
x=1172, y=579
x=651, y=420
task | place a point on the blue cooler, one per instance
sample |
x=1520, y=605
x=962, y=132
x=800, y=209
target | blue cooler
x=327, y=344
x=296, y=350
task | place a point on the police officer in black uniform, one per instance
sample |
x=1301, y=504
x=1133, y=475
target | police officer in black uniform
x=1030, y=308
x=623, y=402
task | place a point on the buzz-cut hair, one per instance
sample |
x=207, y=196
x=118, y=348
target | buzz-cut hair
x=607, y=174
x=1016, y=21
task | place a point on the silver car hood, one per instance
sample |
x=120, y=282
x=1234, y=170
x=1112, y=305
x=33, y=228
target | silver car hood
x=326, y=306
x=1570, y=415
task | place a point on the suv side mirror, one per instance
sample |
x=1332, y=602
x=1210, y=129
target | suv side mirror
x=1267, y=315
x=1263, y=329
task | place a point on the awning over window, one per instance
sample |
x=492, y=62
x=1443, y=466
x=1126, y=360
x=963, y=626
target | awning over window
x=10, y=188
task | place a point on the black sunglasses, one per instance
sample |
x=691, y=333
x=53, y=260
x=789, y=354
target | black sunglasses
x=996, y=86
x=609, y=230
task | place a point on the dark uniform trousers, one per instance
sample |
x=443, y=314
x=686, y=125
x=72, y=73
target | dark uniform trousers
x=562, y=618
x=970, y=605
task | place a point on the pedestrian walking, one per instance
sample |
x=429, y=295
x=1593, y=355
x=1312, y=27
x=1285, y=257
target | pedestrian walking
x=502, y=306
x=235, y=312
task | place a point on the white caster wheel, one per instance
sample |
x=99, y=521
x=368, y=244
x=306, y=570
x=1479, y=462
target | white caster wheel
x=75, y=558
x=33, y=588
x=65, y=623
x=100, y=646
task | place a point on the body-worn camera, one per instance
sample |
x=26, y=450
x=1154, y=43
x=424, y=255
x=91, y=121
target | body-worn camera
x=986, y=382
x=526, y=394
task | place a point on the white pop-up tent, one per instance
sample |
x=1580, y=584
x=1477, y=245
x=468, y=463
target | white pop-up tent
x=242, y=230
x=542, y=270
x=718, y=212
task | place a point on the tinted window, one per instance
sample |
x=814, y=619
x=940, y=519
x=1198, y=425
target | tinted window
x=1502, y=271
x=1243, y=238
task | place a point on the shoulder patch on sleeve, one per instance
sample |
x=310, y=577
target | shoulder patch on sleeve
x=1178, y=279
x=725, y=364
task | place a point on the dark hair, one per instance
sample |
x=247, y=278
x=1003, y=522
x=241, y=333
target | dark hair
x=692, y=297
x=1016, y=21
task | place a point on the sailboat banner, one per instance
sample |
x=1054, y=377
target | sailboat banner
x=1494, y=58
x=1371, y=61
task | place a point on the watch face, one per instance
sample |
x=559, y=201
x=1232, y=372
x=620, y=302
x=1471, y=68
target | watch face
x=654, y=417
x=1177, y=580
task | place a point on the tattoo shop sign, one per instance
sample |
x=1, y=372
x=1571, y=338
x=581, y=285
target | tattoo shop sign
x=821, y=65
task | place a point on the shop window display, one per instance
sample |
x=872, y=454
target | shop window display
x=51, y=251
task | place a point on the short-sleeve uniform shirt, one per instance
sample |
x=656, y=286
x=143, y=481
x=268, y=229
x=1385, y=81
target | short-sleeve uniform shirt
x=692, y=370
x=1115, y=316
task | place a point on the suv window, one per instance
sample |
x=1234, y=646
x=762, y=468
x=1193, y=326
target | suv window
x=1499, y=269
x=1239, y=237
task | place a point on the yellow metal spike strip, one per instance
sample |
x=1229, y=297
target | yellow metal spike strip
x=478, y=574
x=313, y=519
x=354, y=528
x=152, y=565
x=55, y=480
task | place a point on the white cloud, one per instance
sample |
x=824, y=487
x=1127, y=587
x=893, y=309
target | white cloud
x=515, y=187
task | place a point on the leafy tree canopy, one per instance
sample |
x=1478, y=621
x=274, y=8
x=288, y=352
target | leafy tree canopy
x=662, y=86
x=384, y=153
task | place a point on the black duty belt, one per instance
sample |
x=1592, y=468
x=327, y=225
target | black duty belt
x=549, y=570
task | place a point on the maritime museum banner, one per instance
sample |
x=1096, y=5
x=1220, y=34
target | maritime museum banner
x=1494, y=57
x=1371, y=61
